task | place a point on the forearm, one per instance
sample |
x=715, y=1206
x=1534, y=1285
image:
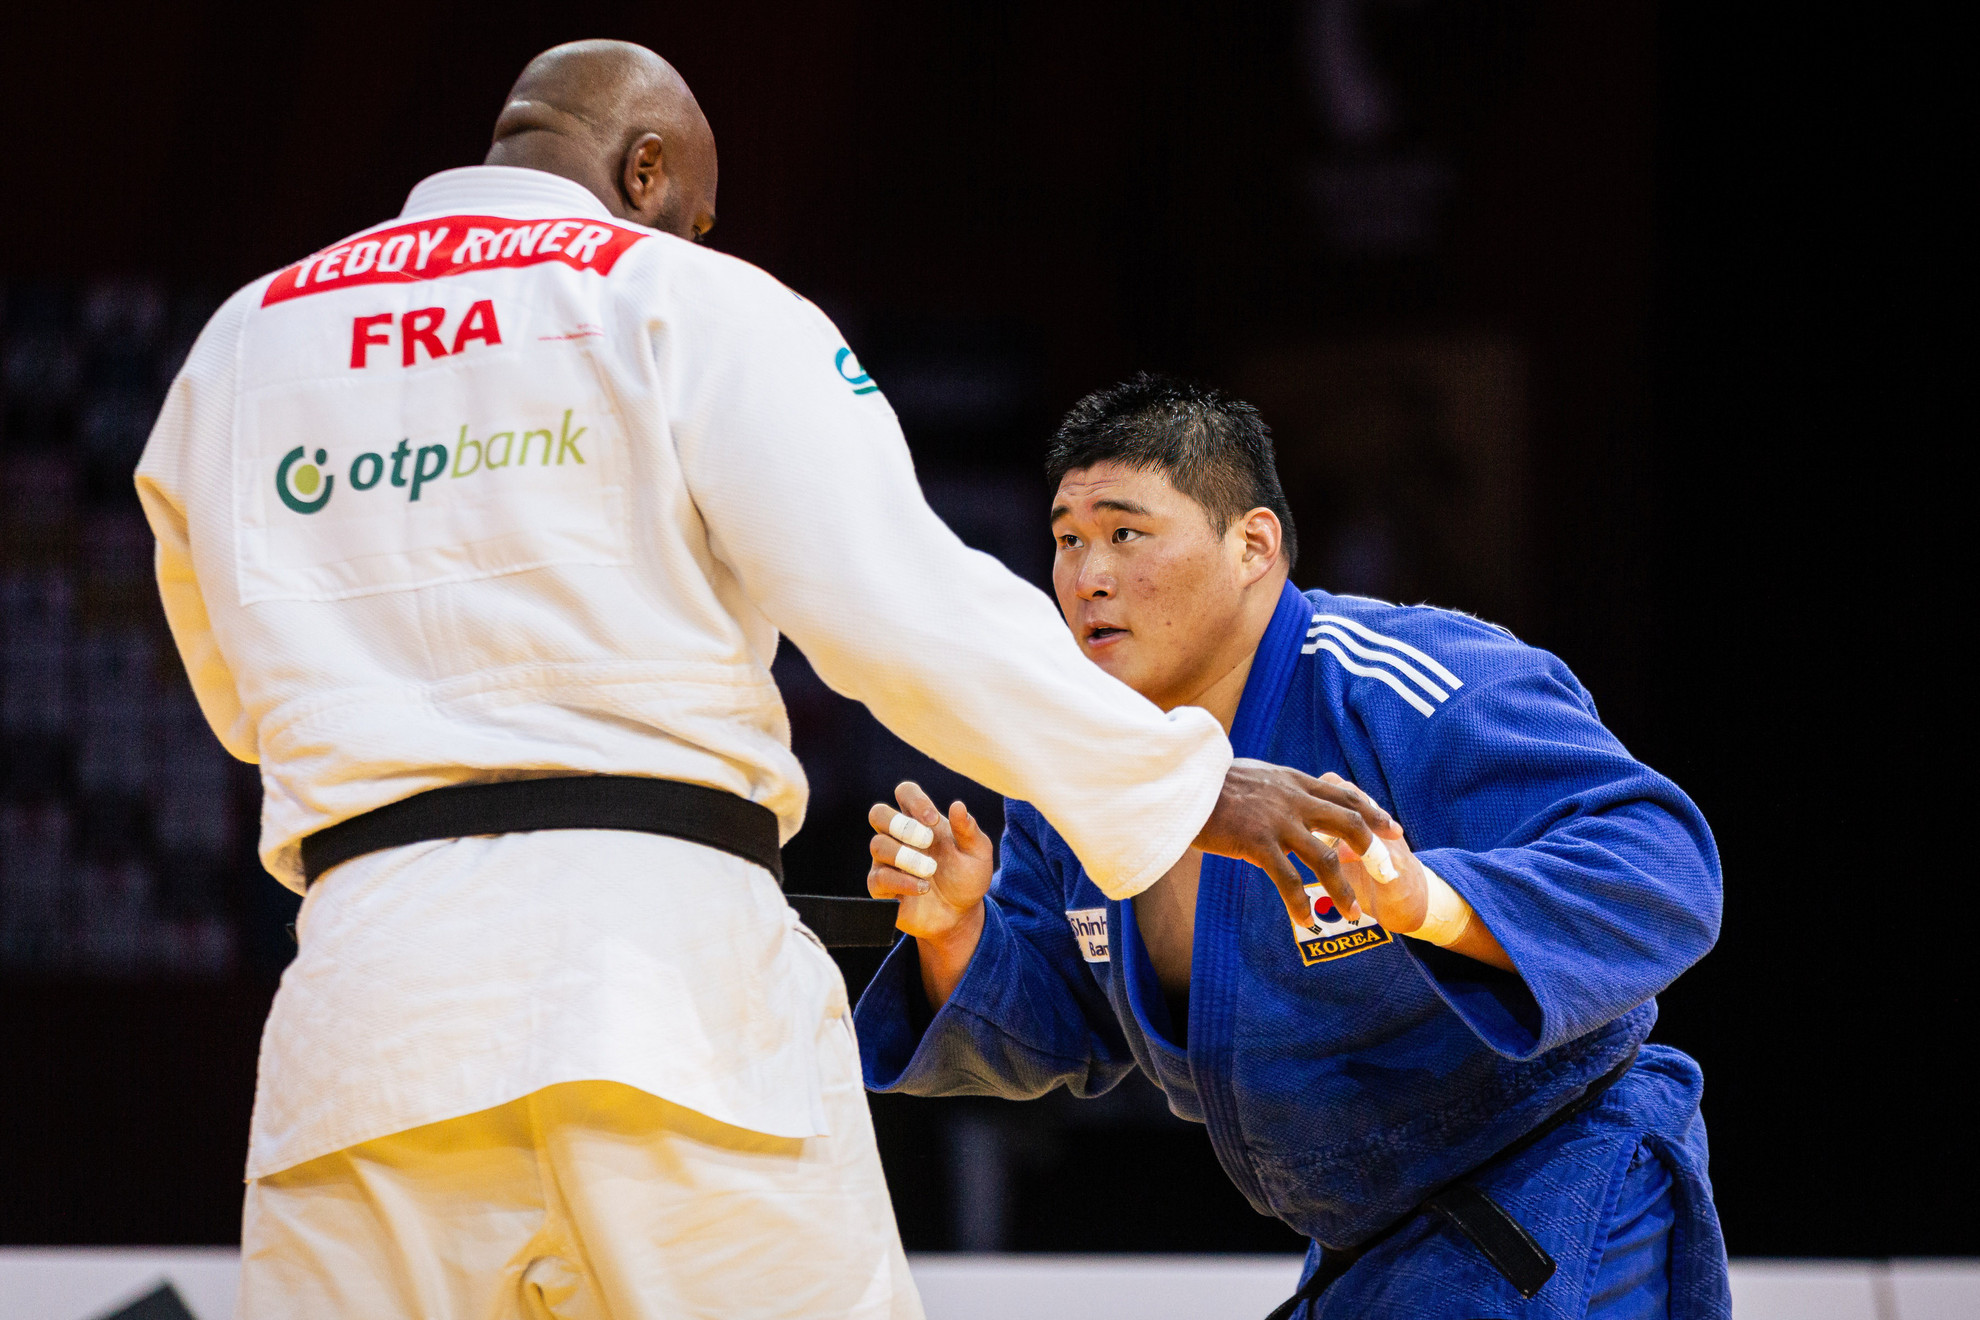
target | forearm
x=1592, y=932
x=1012, y=1028
x=945, y=960
x=1450, y=922
x=1479, y=944
x=992, y=685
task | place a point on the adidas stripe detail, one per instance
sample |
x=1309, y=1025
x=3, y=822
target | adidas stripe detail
x=1330, y=633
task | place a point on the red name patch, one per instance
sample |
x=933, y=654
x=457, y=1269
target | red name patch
x=452, y=245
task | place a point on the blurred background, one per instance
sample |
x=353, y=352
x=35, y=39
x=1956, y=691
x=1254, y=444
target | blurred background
x=1600, y=321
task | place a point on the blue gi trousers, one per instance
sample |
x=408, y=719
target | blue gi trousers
x=1615, y=1196
x=1632, y=1279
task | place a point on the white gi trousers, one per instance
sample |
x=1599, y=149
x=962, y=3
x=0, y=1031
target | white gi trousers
x=586, y=1200
x=563, y=1073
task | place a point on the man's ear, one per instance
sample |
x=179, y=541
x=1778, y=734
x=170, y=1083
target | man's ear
x=643, y=177
x=1264, y=538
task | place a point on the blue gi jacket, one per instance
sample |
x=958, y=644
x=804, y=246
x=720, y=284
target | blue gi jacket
x=1344, y=1073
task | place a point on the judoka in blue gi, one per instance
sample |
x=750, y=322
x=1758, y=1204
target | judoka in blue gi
x=1469, y=1127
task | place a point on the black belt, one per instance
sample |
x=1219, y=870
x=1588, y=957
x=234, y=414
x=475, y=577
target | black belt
x=693, y=812
x=1463, y=1205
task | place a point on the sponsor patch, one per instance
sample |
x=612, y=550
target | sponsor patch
x=357, y=485
x=852, y=373
x=1332, y=935
x=1089, y=928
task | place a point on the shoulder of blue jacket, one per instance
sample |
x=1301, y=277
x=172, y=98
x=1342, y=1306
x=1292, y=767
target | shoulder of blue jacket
x=1415, y=656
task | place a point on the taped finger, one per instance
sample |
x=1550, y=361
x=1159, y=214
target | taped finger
x=910, y=831
x=914, y=863
x=1376, y=861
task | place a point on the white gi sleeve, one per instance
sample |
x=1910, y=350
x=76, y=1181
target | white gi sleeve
x=809, y=495
x=196, y=426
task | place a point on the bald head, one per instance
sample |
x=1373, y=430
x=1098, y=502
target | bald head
x=618, y=119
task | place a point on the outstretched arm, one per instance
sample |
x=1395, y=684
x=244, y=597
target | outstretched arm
x=1010, y=1009
x=804, y=482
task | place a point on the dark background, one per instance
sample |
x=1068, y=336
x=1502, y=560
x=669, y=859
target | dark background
x=1610, y=323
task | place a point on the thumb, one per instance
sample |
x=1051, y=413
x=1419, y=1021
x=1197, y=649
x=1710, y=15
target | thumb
x=964, y=825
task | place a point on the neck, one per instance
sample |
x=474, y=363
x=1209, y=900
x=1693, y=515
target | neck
x=1221, y=698
x=1222, y=687
x=556, y=153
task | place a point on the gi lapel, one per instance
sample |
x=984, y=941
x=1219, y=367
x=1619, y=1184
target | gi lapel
x=1226, y=887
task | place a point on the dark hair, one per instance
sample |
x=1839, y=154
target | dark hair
x=1215, y=449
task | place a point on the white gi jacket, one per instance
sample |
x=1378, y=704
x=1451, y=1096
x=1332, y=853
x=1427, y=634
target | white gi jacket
x=504, y=487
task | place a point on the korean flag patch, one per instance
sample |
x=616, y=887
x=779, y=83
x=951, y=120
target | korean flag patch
x=1332, y=935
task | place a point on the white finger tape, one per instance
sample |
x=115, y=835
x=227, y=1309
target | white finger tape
x=1376, y=861
x=910, y=831
x=914, y=863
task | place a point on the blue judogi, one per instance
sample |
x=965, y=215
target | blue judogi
x=1344, y=1073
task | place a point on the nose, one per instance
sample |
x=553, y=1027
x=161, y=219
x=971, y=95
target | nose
x=1095, y=580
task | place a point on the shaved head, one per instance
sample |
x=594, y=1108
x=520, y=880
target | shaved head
x=620, y=120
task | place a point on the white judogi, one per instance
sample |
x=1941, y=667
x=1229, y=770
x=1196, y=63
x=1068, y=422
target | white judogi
x=505, y=487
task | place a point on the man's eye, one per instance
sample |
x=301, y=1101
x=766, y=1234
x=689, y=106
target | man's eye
x=1069, y=541
x=1124, y=534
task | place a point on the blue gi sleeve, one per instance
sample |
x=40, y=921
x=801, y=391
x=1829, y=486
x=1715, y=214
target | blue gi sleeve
x=1026, y=1016
x=1597, y=875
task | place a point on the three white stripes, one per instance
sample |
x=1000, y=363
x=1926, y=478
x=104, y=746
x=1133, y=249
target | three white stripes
x=1331, y=633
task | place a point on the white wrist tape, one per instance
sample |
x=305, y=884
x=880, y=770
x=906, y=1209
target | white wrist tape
x=1376, y=861
x=910, y=831
x=1448, y=915
x=914, y=863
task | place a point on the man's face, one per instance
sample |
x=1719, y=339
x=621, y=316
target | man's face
x=1153, y=594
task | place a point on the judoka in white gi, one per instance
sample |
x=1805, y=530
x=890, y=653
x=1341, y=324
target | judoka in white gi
x=524, y=483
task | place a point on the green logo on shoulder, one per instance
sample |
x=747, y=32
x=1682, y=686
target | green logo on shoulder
x=849, y=371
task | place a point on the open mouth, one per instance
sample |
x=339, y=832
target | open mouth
x=1104, y=633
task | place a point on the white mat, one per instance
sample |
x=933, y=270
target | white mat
x=83, y=1283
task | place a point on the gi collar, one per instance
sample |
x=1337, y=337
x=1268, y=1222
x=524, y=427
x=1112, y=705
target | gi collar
x=1271, y=672
x=503, y=188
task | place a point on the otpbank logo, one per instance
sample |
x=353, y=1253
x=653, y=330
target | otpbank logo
x=298, y=483
x=306, y=487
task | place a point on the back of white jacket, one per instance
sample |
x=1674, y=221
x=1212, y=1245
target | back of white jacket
x=509, y=490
